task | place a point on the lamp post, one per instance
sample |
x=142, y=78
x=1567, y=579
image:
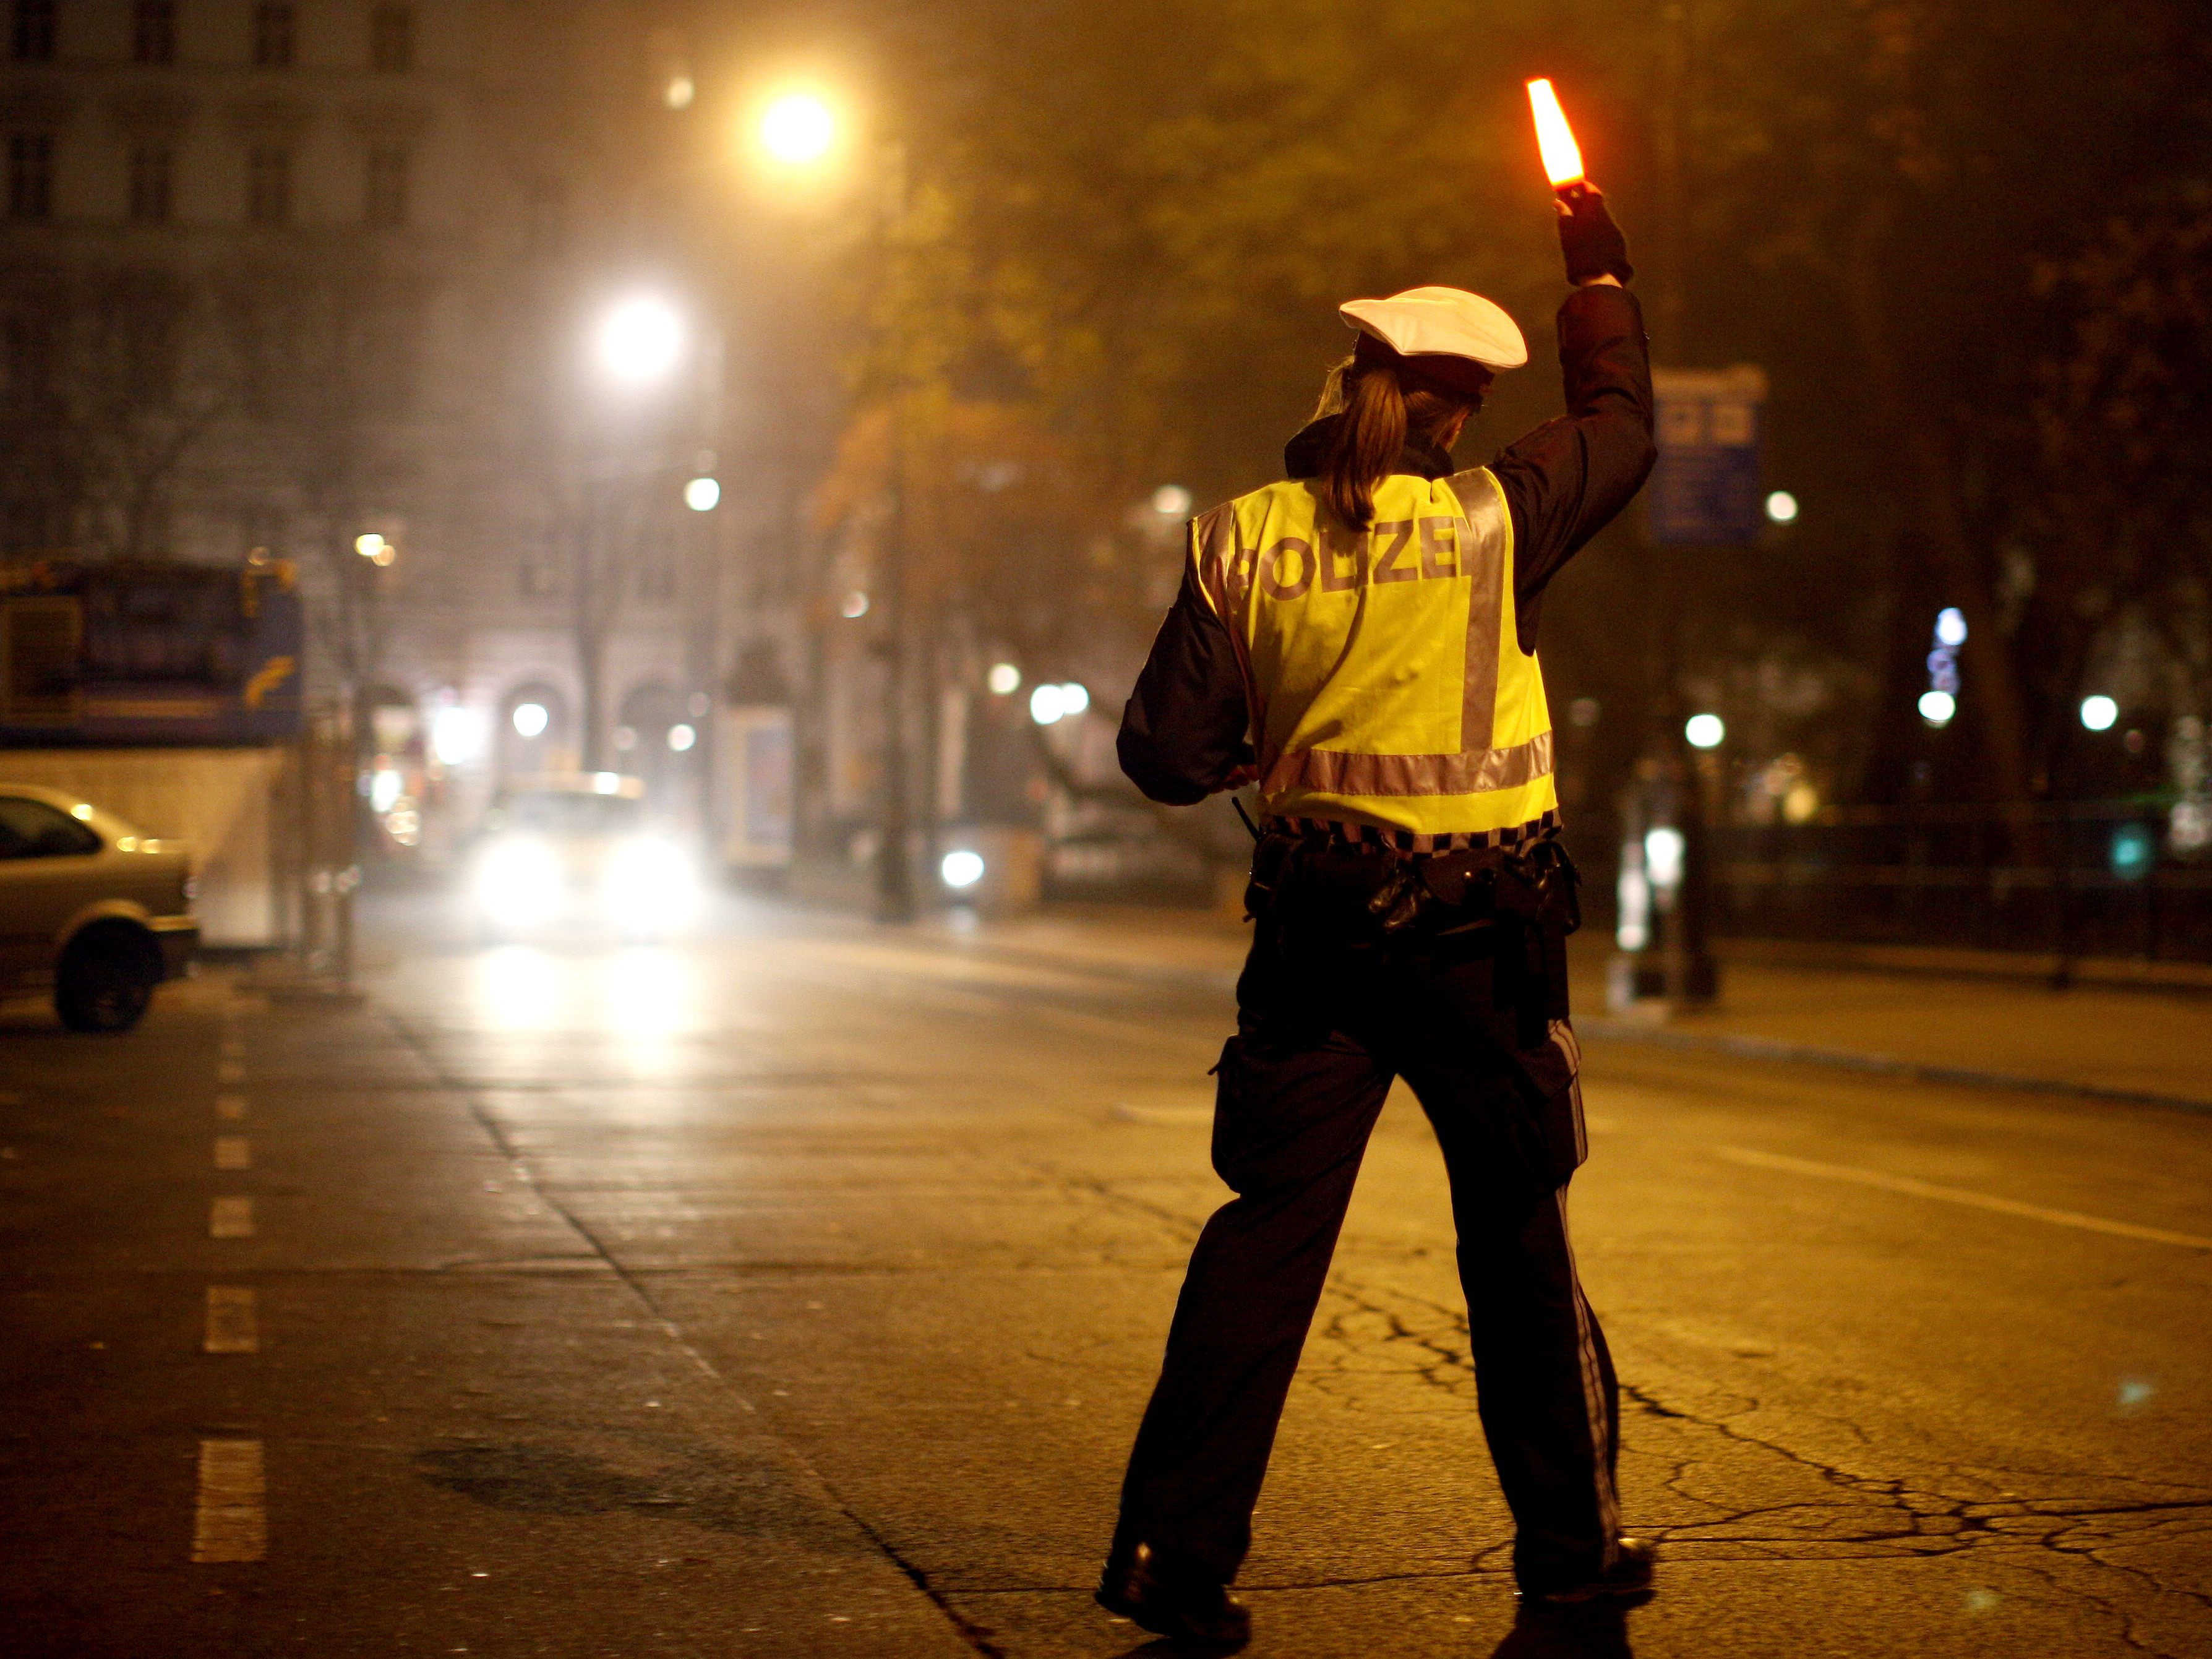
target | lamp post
x=635, y=346
x=801, y=130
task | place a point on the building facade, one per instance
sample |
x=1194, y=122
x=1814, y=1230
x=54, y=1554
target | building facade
x=423, y=297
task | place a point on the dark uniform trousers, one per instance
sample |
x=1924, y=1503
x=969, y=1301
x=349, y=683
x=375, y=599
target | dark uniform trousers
x=1321, y=1035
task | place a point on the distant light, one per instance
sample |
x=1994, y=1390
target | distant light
x=2189, y=825
x=855, y=605
x=1801, y=803
x=606, y=783
x=640, y=340
x=1171, y=501
x=625, y=737
x=961, y=869
x=1073, y=699
x=1782, y=507
x=2098, y=713
x=678, y=93
x=1583, y=712
x=456, y=736
x=368, y=546
x=383, y=785
x=703, y=495
x=1704, y=731
x=1046, y=704
x=82, y=810
x=531, y=720
x=1003, y=679
x=1662, y=856
x=681, y=738
x=798, y=128
x=1951, y=627
x=2134, y=850
x=1937, y=707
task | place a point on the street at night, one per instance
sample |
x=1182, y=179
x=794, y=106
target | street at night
x=796, y=1292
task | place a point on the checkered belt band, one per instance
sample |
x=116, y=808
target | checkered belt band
x=1407, y=840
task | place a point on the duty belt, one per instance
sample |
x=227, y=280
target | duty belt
x=1306, y=892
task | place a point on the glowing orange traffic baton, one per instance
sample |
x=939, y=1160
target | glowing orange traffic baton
x=1563, y=157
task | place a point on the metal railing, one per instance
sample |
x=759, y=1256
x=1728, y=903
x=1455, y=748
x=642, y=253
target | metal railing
x=2088, y=879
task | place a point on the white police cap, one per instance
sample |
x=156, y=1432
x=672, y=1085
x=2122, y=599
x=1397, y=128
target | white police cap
x=1441, y=322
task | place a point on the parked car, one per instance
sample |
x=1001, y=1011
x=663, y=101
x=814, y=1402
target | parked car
x=89, y=907
x=568, y=852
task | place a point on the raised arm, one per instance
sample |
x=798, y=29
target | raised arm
x=1571, y=477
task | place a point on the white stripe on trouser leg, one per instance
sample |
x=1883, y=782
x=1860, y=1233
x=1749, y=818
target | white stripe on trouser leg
x=1601, y=1421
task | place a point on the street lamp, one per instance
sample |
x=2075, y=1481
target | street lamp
x=799, y=128
x=639, y=340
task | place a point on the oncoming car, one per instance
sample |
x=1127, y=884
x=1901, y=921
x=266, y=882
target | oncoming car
x=579, y=852
x=89, y=907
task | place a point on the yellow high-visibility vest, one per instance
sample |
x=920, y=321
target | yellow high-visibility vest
x=1384, y=670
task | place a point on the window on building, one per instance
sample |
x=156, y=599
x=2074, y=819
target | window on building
x=392, y=39
x=269, y=185
x=386, y=191
x=153, y=169
x=153, y=32
x=272, y=34
x=34, y=31
x=30, y=175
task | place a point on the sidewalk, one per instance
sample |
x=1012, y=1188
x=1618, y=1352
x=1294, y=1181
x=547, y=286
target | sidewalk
x=2090, y=1040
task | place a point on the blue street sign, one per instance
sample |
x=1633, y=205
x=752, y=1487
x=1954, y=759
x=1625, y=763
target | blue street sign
x=1705, y=487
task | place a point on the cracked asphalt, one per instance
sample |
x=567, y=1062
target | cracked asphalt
x=796, y=1290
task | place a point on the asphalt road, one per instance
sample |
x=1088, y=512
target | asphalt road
x=796, y=1292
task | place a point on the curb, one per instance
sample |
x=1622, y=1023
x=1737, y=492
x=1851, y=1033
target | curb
x=1608, y=1029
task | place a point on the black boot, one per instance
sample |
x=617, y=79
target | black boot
x=1629, y=1575
x=1173, y=1598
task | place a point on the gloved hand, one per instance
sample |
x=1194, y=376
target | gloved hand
x=1592, y=242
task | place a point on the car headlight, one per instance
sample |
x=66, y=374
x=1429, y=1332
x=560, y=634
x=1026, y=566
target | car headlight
x=520, y=881
x=650, y=883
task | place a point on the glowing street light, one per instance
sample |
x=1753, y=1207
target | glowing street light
x=531, y=720
x=1938, y=708
x=1047, y=705
x=2098, y=713
x=1782, y=507
x=640, y=340
x=1003, y=679
x=1704, y=731
x=1171, y=501
x=1950, y=627
x=799, y=129
x=961, y=868
x=703, y=495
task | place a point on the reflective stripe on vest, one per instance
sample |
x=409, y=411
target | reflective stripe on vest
x=1384, y=669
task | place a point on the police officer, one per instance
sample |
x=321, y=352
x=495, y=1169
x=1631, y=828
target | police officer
x=1359, y=641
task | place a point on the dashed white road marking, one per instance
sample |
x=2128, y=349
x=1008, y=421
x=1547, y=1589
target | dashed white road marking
x=233, y=1323
x=230, y=1108
x=231, y=1217
x=230, y=1072
x=233, y=1153
x=230, y=1523
x=1905, y=1184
